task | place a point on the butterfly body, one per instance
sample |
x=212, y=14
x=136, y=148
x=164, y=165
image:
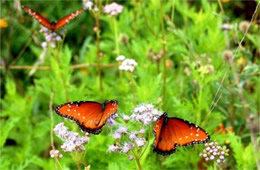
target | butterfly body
x=53, y=26
x=89, y=115
x=172, y=132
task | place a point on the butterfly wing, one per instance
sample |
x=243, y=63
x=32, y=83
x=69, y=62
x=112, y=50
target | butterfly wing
x=46, y=23
x=65, y=20
x=90, y=116
x=176, y=132
x=110, y=109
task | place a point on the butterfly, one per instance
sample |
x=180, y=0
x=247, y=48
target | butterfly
x=89, y=115
x=172, y=132
x=53, y=26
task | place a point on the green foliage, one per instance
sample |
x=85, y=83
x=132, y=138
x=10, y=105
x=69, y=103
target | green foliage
x=244, y=155
x=202, y=86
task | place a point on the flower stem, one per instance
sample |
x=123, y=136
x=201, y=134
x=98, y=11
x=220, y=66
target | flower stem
x=78, y=166
x=116, y=37
x=163, y=50
x=138, y=163
x=136, y=16
x=97, y=19
x=51, y=130
x=57, y=55
x=133, y=88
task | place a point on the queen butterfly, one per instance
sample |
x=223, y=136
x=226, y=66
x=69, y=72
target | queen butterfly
x=172, y=132
x=90, y=116
x=53, y=26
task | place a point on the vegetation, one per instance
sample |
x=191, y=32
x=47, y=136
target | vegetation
x=195, y=60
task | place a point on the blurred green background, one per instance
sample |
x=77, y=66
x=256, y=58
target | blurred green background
x=189, y=54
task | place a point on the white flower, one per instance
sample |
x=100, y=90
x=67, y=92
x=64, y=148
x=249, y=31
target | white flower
x=58, y=38
x=120, y=58
x=53, y=45
x=226, y=26
x=48, y=37
x=51, y=37
x=44, y=44
x=44, y=29
x=132, y=135
x=55, y=154
x=73, y=142
x=142, y=131
x=140, y=142
x=127, y=147
x=126, y=117
x=61, y=130
x=113, y=9
x=95, y=9
x=146, y=113
x=128, y=65
x=117, y=135
x=121, y=130
x=87, y=4
x=130, y=157
x=113, y=148
x=214, y=152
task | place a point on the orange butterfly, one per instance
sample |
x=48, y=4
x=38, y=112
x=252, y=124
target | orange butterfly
x=53, y=26
x=172, y=132
x=90, y=116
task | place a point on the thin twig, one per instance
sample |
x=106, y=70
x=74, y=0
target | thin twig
x=236, y=76
x=97, y=19
x=38, y=62
x=221, y=7
x=147, y=24
x=133, y=87
x=23, y=49
x=251, y=21
x=51, y=130
x=77, y=66
x=163, y=50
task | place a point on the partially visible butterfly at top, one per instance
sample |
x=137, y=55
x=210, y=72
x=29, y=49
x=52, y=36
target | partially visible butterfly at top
x=53, y=26
x=89, y=115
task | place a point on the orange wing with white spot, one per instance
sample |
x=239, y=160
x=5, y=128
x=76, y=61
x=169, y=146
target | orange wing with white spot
x=90, y=116
x=65, y=20
x=173, y=132
x=45, y=22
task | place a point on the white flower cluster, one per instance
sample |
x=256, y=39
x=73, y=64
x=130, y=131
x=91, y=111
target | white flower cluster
x=127, y=146
x=87, y=4
x=128, y=65
x=55, y=154
x=120, y=58
x=126, y=140
x=118, y=133
x=214, y=152
x=134, y=139
x=146, y=113
x=126, y=118
x=73, y=142
x=113, y=9
x=51, y=38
